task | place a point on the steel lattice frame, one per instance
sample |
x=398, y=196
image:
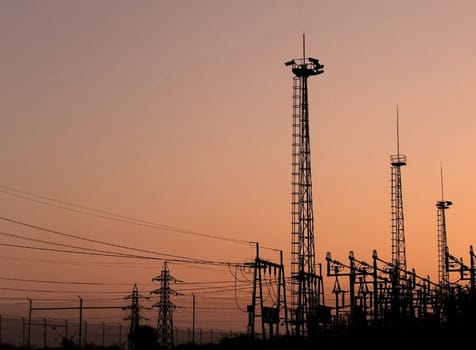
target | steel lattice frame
x=306, y=284
x=399, y=259
x=165, y=324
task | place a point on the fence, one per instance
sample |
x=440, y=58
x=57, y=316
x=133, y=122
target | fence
x=49, y=333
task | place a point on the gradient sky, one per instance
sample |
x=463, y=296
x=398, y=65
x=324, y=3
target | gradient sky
x=179, y=113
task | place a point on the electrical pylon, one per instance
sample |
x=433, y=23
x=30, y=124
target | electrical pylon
x=135, y=315
x=165, y=323
x=306, y=284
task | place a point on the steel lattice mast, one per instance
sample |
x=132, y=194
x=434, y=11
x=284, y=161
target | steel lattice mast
x=305, y=282
x=442, y=205
x=401, y=287
x=165, y=324
x=399, y=259
x=135, y=315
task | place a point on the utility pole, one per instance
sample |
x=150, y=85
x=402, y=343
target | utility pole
x=28, y=344
x=193, y=318
x=80, y=322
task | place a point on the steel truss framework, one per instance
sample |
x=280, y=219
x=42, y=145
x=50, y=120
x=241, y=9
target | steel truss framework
x=268, y=309
x=371, y=297
x=165, y=323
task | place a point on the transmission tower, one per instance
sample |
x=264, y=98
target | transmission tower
x=165, y=323
x=306, y=291
x=135, y=315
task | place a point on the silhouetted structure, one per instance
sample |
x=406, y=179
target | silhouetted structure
x=306, y=283
x=135, y=315
x=272, y=275
x=399, y=259
x=165, y=324
x=370, y=295
x=443, y=273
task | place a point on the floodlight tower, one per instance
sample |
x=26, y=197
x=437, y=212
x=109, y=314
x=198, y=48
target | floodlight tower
x=442, y=205
x=305, y=282
x=399, y=259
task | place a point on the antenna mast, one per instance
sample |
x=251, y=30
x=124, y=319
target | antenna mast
x=443, y=273
x=398, y=135
x=441, y=181
x=399, y=260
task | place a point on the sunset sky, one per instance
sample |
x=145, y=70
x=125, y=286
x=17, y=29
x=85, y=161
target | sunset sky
x=175, y=116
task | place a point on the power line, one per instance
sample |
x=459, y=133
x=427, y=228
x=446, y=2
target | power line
x=64, y=282
x=58, y=244
x=62, y=291
x=108, y=215
x=86, y=239
x=118, y=255
x=177, y=258
x=209, y=282
x=215, y=288
x=79, y=263
x=71, y=251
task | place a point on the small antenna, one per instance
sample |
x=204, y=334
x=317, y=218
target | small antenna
x=303, y=46
x=398, y=135
x=441, y=181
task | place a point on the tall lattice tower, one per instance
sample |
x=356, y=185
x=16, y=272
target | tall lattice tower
x=442, y=205
x=135, y=315
x=399, y=259
x=306, y=284
x=165, y=323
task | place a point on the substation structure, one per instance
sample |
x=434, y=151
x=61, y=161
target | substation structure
x=265, y=313
x=369, y=296
x=382, y=293
x=371, y=293
x=387, y=294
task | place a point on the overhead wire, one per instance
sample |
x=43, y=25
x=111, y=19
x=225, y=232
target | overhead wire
x=62, y=291
x=108, y=215
x=60, y=244
x=63, y=282
x=88, y=239
x=79, y=263
x=70, y=251
x=104, y=283
x=176, y=258
x=119, y=255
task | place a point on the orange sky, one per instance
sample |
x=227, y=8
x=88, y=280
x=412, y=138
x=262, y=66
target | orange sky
x=179, y=113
